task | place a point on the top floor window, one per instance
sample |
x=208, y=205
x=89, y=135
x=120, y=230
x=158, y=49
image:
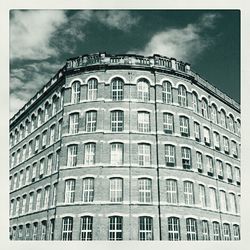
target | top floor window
x=143, y=121
x=33, y=122
x=204, y=108
x=182, y=96
x=143, y=90
x=54, y=105
x=75, y=92
x=214, y=114
x=39, y=117
x=27, y=128
x=92, y=89
x=223, y=119
x=117, y=89
x=231, y=123
x=195, y=103
x=47, y=110
x=167, y=95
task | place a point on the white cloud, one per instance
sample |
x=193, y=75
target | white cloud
x=181, y=43
x=30, y=33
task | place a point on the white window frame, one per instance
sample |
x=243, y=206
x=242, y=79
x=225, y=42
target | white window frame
x=143, y=92
x=191, y=225
x=169, y=154
x=117, y=86
x=69, y=195
x=173, y=228
x=188, y=193
x=116, y=153
x=67, y=228
x=116, y=189
x=168, y=123
x=167, y=95
x=115, y=228
x=89, y=153
x=75, y=92
x=117, y=120
x=86, y=228
x=74, y=123
x=182, y=96
x=171, y=191
x=144, y=154
x=145, y=190
x=145, y=228
x=72, y=155
x=92, y=89
x=88, y=190
x=143, y=121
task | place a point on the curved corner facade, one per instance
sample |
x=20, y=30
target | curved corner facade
x=125, y=148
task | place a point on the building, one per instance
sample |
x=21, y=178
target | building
x=125, y=147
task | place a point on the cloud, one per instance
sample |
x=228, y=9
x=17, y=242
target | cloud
x=184, y=43
x=30, y=33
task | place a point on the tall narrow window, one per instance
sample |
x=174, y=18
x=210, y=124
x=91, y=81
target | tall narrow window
x=34, y=171
x=15, y=181
x=167, y=96
x=59, y=131
x=44, y=138
x=214, y=114
x=191, y=225
x=72, y=156
x=54, y=195
x=116, y=190
x=18, y=156
x=236, y=232
x=145, y=190
x=115, y=228
x=75, y=92
x=186, y=158
x=43, y=230
x=116, y=154
x=117, y=89
x=226, y=231
x=207, y=139
x=31, y=201
x=27, y=232
x=204, y=108
x=40, y=118
x=87, y=228
x=21, y=178
x=23, y=211
x=47, y=112
x=33, y=123
x=88, y=190
x=184, y=126
x=27, y=176
x=216, y=140
x=182, y=96
x=173, y=228
x=237, y=175
x=229, y=172
x=169, y=155
x=210, y=165
x=231, y=124
x=195, y=103
x=50, y=164
x=223, y=201
x=67, y=228
x=89, y=153
x=30, y=148
x=168, y=123
x=46, y=197
x=54, y=105
x=188, y=193
x=52, y=134
x=234, y=149
x=27, y=128
x=172, y=194
x=199, y=162
x=37, y=142
x=220, y=170
x=232, y=203
x=35, y=231
x=57, y=163
x=144, y=155
x=92, y=89
x=145, y=228
x=69, y=196
x=24, y=153
x=202, y=193
x=143, y=121
x=205, y=230
x=18, y=206
x=38, y=199
x=197, y=132
x=73, y=123
x=117, y=121
x=223, y=119
x=143, y=90
x=226, y=145
x=213, y=199
x=91, y=120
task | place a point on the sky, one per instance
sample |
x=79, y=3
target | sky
x=42, y=40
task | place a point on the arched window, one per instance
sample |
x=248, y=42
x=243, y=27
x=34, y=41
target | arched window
x=145, y=228
x=39, y=117
x=72, y=155
x=91, y=120
x=54, y=105
x=214, y=114
x=226, y=231
x=117, y=85
x=205, y=230
x=182, y=96
x=231, y=123
x=169, y=155
x=27, y=128
x=191, y=225
x=89, y=153
x=73, y=123
x=116, y=189
x=216, y=230
x=92, y=89
x=195, y=103
x=86, y=228
x=204, y=108
x=88, y=189
x=47, y=112
x=238, y=126
x=75, y=92
x=69, y=195
x=117, y=120
x=116, y=153
x=188, y=193
x=115, y=228
x=67, y=228
x=223, y=118
x=143, y=90
x=223, y=201
x=145, y=190
x=173, y=228
x=171, y=191
x=144, y=154
x=167, y=95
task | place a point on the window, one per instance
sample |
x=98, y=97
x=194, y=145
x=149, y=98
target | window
x=18, y=156
x=197, y=132
x=220, y=170
x=69, y=191
x=145, y=228
x=54, y=195
x=116, y=190
x=145, y=190
x=216, y=140
x=27, y=232
x=37, y=141
x=205, y=230
x=24, y=153
x=23, y=211
x=52, y=134
x=207, y=140
x=72, y=156
x=231, y=124
x=210, y=165
x=173, y=228
x=92, y=89
x=27, y=176
x=44, y=138
x=117, y=89
x=203, y=200
x=75, y=92
x=223, y=201
x=57, y=163
x=38, y=199
x=144, y=154
x=238, y=127
x=54, y=105
x=223, y=119
x=226, y=144
x=47, y=109
x=184, y=126
x=62, y=98
x=41, y=169
x=172, y=192
x=168, y=123
x=143, y=90
x=34, y=169
x=43, y=230
x=89, y=153
x=169, y=155
x=214, y=114
x=191, y=229
x=67, y=228
x=13, y=160
x=46, y=197
x=12, y=208
x=30, y=148
x=33, y=122
x=204, y=108
x=59, y=135
x=50, y=164
x=188, y=193
x=21, y=178
x=226, y=231
x=236, y=232
x=213, y=199
x=167, y=95
x=115, y=228
x=88, y=190
x=234, y=149
x=15, y=182
x=199, y=161
x=73, y=123
x=117, y=121
x=91, y=120
x=195, y=103
x=17, y=206
x=40, y=118
x=27, y=128
x=182, y=96
x=116, y=154
x=86, y=228
x=143, y=121
x=232, y=202
x=51, y=229
x=229, y=172
x=237, y=175
x=186, y=158
x=35, y=231
x=31, y=201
